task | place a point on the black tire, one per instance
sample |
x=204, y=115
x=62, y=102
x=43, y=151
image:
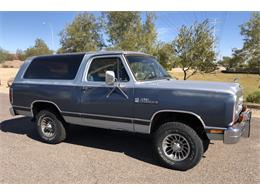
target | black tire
x=206, y=143
x=58, y=131
x=194, y=142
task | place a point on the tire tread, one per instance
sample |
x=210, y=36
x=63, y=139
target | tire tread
x=185, y=130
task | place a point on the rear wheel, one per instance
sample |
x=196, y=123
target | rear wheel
x=50, y=127
x=206, y=143
x=178, y=146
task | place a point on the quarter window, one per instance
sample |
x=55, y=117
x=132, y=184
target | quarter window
x=99, y=66
x=58, y=67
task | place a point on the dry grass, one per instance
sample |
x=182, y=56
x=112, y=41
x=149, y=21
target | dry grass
x=11, y=64
x=249, y=82
x=5, y=75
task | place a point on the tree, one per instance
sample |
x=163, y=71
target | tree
x=83, y=34
x=149, y=34
x=194, y=48
x=20, y=55
x=225, y=62
x=251, y=48
x=238, y=59
x=165, y=54
x=39, y=48
x=126, y=31
x=5, y=55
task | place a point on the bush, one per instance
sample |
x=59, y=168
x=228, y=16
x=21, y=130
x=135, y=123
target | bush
x=4, y=55
x=5, y=66
x=254, y=97
x=242, y=70
x=10, y=81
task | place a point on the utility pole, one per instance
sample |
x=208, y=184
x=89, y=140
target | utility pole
x=214, y=23
x=51, y=29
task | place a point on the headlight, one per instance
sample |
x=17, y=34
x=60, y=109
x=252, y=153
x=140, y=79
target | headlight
x=238, y=107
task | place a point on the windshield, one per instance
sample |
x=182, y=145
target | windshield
x=146, y=68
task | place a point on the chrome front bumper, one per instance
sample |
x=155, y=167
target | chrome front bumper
x=233, y=133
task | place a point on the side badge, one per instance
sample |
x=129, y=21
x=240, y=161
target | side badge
x=145, y=101
x=137, y=100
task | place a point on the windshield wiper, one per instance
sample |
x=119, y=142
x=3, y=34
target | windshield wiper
x=165, y=77
x=154, y=78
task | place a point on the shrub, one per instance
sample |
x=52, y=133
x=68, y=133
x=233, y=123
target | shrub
x=5, y=66
x=254, y=97
x=9, y=82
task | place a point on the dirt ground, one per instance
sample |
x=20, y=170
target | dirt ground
x=8, y=70
x=256, y=113
x=11, y=64
x=5, y=75
x=92, y=155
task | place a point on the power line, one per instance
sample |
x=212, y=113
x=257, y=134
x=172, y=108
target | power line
x=214, y=23
x=165, y=21
x=222, y=26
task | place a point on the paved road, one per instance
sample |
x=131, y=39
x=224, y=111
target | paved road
x=100, y=156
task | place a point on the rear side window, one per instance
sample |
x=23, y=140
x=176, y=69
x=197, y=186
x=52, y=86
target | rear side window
x=59, y=67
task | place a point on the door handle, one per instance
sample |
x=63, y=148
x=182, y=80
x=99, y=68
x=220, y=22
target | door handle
x=84, y=88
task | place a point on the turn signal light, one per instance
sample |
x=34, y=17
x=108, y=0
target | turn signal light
x=241, y=117
x=216, y=131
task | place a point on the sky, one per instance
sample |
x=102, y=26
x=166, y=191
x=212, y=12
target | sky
x=18, y=30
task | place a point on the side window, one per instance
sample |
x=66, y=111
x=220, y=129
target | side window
x=99, y=66
x=58, y=67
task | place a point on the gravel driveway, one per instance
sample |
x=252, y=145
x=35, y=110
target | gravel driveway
x=101, y=156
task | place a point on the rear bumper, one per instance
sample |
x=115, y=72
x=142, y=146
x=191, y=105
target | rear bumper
x=12, y=111
x=242, y=129
x=20, y=110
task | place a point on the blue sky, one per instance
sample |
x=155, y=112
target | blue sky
x=20, y=29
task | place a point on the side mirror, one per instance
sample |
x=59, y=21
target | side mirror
x=110, y=77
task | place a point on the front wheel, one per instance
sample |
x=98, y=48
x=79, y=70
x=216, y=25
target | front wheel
x=178, y=146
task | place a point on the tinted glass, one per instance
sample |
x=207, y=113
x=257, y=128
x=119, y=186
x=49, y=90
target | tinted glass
x=146, y=68
x=99, y=66
x=61, y=67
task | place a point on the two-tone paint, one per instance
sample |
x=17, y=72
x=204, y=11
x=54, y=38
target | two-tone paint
x=216, y=105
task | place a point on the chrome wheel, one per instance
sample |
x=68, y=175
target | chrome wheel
x=48, y=127
x=176, y=147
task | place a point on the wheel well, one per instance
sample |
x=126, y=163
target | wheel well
x=38, y=106
x=189, y=119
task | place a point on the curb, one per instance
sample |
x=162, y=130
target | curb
x=253, y=105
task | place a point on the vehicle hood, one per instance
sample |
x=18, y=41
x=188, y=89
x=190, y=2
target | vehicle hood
x=222, y=87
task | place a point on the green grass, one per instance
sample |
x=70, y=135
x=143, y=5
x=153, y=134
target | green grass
x=254, y=97
x=249, y=82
